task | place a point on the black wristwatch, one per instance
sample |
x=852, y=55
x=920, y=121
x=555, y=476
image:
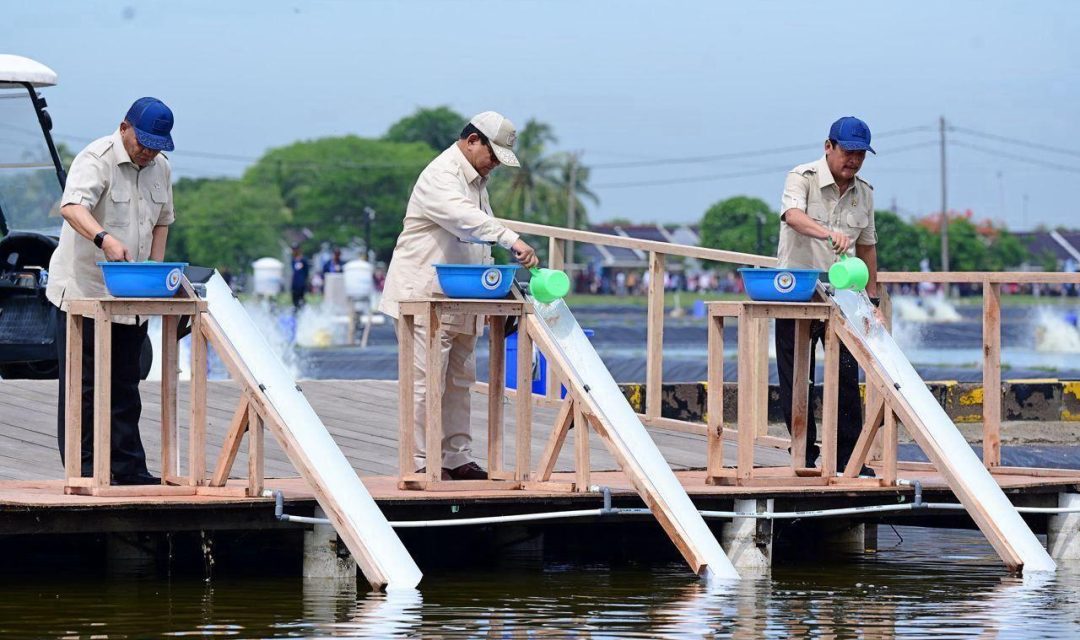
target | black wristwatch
x=99, y=239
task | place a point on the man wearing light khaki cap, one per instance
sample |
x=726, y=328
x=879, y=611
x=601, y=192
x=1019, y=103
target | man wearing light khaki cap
x=449, y=221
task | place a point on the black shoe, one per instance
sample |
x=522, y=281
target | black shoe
x=136, y=479
x=467, y=471
x=445, y=472
x=867, y=472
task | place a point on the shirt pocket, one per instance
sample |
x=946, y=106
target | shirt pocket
x=857, y=219
x=159, y=197
x=119, y=212
x=816, y=208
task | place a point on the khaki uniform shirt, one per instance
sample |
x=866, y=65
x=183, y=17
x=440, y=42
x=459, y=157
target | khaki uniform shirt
x=126, y=201
x=448, y=213
x=811, y=187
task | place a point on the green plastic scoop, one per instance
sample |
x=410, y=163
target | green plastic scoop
x=548, y=285
x=849, y=273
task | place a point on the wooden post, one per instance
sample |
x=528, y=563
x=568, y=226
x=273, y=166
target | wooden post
x=556, y=260
x=761, y=390
x=433, y=427
x=496, y=386
x=581, y=451
x=73, y=395
x=523, y=426
x=406, y=402
x=555, y=442
x=829, y=409
x=170, y=427
x=238, y=426
x=991, y=374
x=714, y=393
x=800, y=393
x=197, y=429
x=255, y=452
x=747, y=407
x=889, y=447
x=102, y=399
x=654, y=363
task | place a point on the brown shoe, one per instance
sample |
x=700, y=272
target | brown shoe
x=467, y=471
x=445, y=473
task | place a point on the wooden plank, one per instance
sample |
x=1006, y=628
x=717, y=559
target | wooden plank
x=800, y=393
x=714, y=394
x=761, y=389
x=654, y=350
x=197, y=428
x=889, y=448
x=102, y=399
x=991, y=331
x=537, y=399
x=830, y=393
x=497, y=378
x=406, y=401
x=170, y=424
x=523, y=424
x=978, y=277
x=698, y=428
x=668, y=248
x=150, y=306
x=747, y=407
x=866, y=440
x=787, y=310
x=73, y=395
x=582, y=465
x=562, y=425
x=433, y=427
x=446, y=306
x=255, y=452
x=238, y=425
x=1035, y=472
x=557, y=261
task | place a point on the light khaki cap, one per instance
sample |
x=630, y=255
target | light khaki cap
x=500, y=133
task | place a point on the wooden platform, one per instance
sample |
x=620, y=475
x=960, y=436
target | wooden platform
x=362, y=417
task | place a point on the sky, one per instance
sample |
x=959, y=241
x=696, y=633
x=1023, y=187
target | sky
x=704, y=100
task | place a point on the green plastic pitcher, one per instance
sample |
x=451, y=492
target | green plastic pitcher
x=849, y=273
x=548, y=285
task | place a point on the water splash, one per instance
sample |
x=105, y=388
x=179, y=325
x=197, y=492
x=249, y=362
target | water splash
x=1054, y=333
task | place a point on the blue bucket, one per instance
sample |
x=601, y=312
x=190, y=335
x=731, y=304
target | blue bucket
x=142, y=279
x=779, y=285
x=476, y=280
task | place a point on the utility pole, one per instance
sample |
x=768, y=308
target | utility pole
x=944, y=208
x=571, y=208
x=369, y=219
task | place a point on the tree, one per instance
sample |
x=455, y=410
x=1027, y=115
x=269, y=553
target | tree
x=224, y=223
x=741, y=224
x=327, y=183
x=900, y=245
x=973, y=246
x=436, y=127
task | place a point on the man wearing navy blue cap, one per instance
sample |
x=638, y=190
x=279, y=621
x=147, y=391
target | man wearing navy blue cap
x=827, y=211
x=117, y=206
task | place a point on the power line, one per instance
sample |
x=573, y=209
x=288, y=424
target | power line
x=1016, y=141
x=1003, y=154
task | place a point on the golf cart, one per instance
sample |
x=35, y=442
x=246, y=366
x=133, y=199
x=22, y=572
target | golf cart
x=31, y=183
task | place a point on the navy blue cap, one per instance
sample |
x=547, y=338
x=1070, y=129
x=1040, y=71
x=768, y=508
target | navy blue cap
x=851, y=134
x=153, y=123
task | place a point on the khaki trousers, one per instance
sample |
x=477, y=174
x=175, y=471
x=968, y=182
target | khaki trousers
x=458, y=375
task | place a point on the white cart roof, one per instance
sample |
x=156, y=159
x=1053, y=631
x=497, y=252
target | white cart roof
x=19, y=69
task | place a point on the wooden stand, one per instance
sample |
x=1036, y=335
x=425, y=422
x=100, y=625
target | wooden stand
x=432, y=310
x=103, y=310
x=753, y=384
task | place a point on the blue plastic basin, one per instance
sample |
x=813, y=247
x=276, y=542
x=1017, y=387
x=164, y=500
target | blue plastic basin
x=142, y=279
x=779, y=285
x=476, y=280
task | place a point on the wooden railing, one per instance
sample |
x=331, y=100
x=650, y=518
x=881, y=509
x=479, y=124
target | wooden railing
x=991, y=333
x=658, y=253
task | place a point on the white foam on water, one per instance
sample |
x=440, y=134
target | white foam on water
x=907, y=308
x=1053, y=334
x=941, y=310
x=941, y=429
x=326, y=462
x=589, y=370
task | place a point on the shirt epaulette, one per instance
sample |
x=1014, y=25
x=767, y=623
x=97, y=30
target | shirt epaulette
x=863, y=180
x=100, y=147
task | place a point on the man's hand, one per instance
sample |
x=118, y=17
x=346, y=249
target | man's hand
x=839, y=241
x=524, y=254
x=115, y=251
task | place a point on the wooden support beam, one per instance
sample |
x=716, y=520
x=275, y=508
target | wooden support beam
x=73, y=395
x=991, y=374
x=102, y=399
x=563, y=421
x=654, y=351
x=433, y=427
x=830, y=397
x=714, y=393
x=255, y=452
x=582, y=465
x=800, y=393
x=556, y=260
x=197, y=428
x=761, y=388
x=866, y=440
x=497, y=381
x=170, y=424
x=889, y=448
x=748, y=407
x=523, y=419
x=406, y=326
x=238, y=426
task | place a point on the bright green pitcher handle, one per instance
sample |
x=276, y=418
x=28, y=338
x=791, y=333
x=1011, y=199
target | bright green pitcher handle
x=548, y=285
